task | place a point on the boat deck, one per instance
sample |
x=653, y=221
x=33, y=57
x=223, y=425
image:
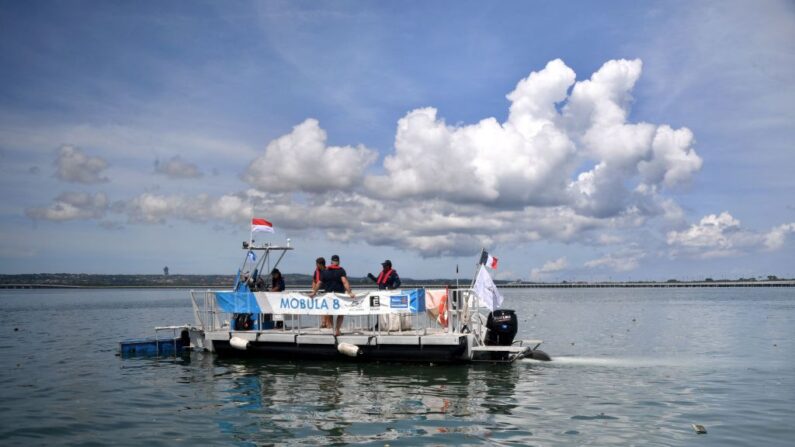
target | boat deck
x=314, y=335
x=410, y=345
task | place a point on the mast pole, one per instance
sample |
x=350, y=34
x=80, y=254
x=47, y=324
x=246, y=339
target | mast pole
x=477, y=269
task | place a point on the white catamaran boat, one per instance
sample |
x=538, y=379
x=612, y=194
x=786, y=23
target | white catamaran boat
x=444, y=325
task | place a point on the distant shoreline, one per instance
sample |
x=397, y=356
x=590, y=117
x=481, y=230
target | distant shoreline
x=298, y=281
x=501, y=286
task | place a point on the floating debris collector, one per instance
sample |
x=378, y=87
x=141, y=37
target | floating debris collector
x=444, y=325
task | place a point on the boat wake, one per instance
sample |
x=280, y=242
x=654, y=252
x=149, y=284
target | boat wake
x=611, y=362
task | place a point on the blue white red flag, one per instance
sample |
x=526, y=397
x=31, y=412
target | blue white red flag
x=488, y=260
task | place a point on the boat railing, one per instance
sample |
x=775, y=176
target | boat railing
x=205, y=312
x=172, y=340
x=461, y=305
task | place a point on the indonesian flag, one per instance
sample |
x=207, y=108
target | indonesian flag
x=258, y=224
x=491, y=262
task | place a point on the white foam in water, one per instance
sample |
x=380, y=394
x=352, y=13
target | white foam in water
x=610, y=362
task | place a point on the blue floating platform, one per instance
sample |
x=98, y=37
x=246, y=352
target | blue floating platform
x=152, y=347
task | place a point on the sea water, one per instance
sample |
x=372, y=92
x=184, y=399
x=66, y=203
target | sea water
x=630, y=367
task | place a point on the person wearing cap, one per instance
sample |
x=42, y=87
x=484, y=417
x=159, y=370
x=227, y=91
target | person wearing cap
x=334, y=280
x=388, y=278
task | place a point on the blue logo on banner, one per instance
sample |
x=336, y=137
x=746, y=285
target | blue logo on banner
x=399, y=302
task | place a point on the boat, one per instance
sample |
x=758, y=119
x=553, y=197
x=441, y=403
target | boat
x=429, y=325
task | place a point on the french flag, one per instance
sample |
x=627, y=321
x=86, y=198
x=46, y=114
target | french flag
x=259, y=224
x=488, y=260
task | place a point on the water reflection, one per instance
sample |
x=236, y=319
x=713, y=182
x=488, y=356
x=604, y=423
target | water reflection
x=341, y=403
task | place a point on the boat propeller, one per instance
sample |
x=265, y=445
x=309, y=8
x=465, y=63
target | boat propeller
x=537, y=354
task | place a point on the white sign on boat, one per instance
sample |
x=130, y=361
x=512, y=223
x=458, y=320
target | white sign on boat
x=383, y=302
x=371, y=303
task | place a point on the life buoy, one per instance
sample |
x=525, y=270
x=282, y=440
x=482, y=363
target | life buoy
x=443, y=310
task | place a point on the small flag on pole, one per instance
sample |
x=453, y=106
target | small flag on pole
x=259, y=224
x=488, y=260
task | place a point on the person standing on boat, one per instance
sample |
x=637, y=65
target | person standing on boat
x=388, y=279
x=277, y=281
x=334, y=280
x=320, y=265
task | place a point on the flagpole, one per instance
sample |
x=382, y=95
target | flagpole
x=251, y=232
x=251, y=227
x=245, y=260
x=477, y=269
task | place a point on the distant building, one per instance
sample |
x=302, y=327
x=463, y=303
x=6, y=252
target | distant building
x=165, y=270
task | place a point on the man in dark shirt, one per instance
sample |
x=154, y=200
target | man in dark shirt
x=334, y=280
x=388, y=278
x=277, y=281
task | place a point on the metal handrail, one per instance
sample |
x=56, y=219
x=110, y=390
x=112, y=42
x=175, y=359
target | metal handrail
x=464, y=313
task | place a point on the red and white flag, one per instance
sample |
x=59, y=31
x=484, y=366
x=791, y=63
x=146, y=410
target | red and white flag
x=491, y=262
x=258, y=224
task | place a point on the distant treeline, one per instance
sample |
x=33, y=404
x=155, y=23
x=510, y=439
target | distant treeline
x=92, y=280
x=295, y=280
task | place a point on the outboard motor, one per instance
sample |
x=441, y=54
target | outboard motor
x=501, y=327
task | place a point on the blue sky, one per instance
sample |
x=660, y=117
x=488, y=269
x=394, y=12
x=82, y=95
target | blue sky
x=574, y=140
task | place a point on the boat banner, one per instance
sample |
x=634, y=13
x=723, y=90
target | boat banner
x=237, y=302
x=381, y=302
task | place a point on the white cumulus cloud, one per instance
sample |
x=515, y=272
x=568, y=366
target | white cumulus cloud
x=301, y=161
x=524, y=161
x=72, y=206
x=622, y=261
x=532, y=158
x=549, y=267
x=651, y=156
x=74, y=165
x=722, y=235
x=775, y=238
x=157, y=208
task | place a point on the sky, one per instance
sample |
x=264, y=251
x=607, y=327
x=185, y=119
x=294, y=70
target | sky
x=572, y=140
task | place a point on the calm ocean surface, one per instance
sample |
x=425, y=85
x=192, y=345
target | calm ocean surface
x=631, y=367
